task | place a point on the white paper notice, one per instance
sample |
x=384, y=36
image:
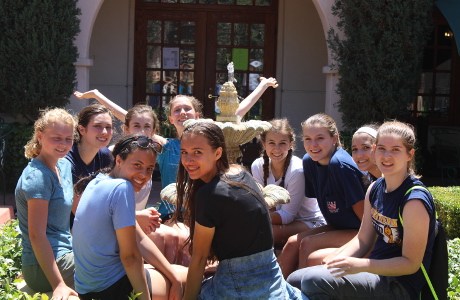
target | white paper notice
x=170, y=57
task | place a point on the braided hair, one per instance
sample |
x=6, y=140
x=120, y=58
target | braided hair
x=282, y=126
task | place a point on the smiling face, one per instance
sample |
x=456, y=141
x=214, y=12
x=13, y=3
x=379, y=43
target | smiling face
x=141, y=124
x=198, y=157
x=362, y=148
x=391, y=156
x=98, y=132
x=137, y=168
x=318, y=143
x=56, y=140
x=277, y=145
x=182, y=110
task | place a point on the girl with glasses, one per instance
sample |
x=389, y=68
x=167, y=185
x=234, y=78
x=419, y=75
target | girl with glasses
x=109, y=261
x=44, y=201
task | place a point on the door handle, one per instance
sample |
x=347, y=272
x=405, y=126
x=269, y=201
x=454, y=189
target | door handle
x=210, y=96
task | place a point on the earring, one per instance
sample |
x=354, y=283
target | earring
x=118, y=167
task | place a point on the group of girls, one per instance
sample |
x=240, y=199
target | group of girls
x=330, y=220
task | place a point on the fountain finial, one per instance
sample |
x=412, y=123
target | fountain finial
x=231, y=72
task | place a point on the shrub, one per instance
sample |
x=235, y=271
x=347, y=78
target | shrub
x=15, y=161
x=37, y=54
x=380, y=58
x=448, y=208
x=453, y=291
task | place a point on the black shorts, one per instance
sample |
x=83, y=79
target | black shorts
x=120, y=290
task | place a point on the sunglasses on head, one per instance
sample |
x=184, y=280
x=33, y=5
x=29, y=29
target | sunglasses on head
x=145, y=142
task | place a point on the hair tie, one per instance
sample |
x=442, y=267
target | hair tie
x=370, y=131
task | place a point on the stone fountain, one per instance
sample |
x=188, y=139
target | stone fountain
x=236, y=133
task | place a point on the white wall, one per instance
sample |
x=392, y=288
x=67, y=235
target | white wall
x=111, y=49
x=302, y=54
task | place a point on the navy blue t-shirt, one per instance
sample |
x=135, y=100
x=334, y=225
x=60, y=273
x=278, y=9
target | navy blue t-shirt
x=102, y=160
x=337, y=187
x=385, y=208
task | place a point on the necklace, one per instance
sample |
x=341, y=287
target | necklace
x=277, y=175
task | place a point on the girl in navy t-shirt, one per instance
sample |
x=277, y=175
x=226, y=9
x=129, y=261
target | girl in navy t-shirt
x=393, y=269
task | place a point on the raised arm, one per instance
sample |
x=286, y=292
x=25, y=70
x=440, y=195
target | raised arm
x=117, y=111
x=38, y=216
x=250, y=100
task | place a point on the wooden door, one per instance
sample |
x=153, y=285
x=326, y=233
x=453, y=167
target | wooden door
x=184, y=46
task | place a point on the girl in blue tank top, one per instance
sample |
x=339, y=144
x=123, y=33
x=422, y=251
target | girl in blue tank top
x=393, y=269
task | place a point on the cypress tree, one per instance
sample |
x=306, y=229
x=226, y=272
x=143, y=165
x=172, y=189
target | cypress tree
x=380, y=58
x=37, y=54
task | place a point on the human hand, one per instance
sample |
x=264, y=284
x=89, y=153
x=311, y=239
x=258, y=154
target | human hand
x=62, y=292
x=341, y=266
x=269, y=82
x=86, y=95
x=175, y=292
x=148, y=222
x=155, y=219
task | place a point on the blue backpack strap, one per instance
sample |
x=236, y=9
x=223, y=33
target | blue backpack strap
x=421, y=266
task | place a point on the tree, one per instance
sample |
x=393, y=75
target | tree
x=380, y=59
x=37, y=54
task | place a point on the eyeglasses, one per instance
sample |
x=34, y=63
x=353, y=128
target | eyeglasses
x=144, y=142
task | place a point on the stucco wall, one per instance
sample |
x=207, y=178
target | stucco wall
x=302, y=54
x=111, y=49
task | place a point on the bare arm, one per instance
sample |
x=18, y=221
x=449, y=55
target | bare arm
x=132, y=260
x=250, y=100
x=202, y=239
x=154, y=257
x=37, y=216
x=416, y=223
x=117, y=111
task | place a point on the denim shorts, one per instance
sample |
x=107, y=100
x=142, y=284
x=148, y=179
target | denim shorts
x=256, y=276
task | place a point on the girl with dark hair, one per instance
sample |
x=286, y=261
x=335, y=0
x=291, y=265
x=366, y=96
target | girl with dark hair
x=398, y=225
x=228, y=221
x=279, y=166
x=108, y=262
x=362, y=147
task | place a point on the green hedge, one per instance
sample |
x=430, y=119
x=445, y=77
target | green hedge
x=447, y=200
x=14, y=160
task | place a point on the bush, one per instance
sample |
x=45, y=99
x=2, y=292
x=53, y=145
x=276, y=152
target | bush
x=453, y=291
x=15, y=161
x=380, y=58
x=37, y=54
x=448, y=208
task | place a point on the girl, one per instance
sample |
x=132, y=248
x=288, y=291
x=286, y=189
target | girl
x=228, y=221
x=44, y=200
x=399, y=223
x=333, y=178
x=108, y=262
x=94, y=131
x=279, y=166
x=141, y=119
x=362, y=145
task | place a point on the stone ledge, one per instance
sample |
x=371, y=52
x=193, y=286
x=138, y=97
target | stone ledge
x=6, y=213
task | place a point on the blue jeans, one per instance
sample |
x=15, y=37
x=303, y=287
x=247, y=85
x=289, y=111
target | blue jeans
x=318, y=283
x=256, y=276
